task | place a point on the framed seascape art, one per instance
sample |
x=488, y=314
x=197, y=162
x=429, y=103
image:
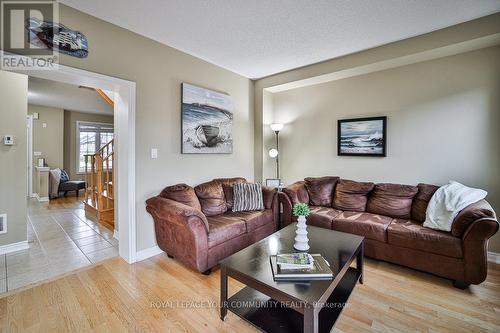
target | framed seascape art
x=362, y=136
x=207, y=121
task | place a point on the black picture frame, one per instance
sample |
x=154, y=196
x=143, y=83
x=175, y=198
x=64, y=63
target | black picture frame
x=341, y=150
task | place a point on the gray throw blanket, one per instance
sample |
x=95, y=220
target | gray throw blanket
x=54, y=180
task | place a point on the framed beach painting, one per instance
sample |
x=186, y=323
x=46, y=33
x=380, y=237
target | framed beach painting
x=207, y=121
x=362, y=136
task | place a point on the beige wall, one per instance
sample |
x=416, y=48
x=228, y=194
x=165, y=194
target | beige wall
x=13, y=159
x=48, y=140
x=452, y=39
x=158, y=71
x=70, y=119
x=443, y=118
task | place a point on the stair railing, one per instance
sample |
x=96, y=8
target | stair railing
x=98, y=177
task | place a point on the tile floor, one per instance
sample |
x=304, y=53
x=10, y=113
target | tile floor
x=61, y=239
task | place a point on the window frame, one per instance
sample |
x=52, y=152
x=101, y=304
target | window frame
x=98, y=140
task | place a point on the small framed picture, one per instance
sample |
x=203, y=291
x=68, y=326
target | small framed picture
x=273, y=182
x=362, y=137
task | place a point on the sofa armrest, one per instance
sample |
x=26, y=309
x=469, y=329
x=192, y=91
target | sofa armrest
x=476, y=211
x=286, y=204
x=291, y=195
x=181, y=231
x=174, y=212
x=475, y=248
x=268, y=195
x=297, y=193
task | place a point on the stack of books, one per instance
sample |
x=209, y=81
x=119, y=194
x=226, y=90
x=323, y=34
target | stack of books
x=300, y=267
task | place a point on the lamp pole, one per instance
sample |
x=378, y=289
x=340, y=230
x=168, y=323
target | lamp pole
x=277, y=133
x=276, y=152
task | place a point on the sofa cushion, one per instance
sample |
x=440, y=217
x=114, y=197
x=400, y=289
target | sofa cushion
x=223, y=228
x=227, y=187
x=255, y=219
x=351, y=196
x=268, y=195
x=408, y=234
x=320, y=190
x=64, y=176
x=72, y=185
x=421, y=201
x=478, y=210
x=211, y=197
x=322, y=216
x=247, y=197
x=229, y=196
x=392, y=200
x=181, y=193
x=369, y=225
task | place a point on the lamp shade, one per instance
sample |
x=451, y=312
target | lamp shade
x=273, y=152
x=276, y=127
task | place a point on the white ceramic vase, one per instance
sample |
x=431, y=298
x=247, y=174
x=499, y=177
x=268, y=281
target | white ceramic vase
x=301, y=240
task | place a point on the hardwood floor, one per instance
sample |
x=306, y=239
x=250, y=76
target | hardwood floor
x=160, y=295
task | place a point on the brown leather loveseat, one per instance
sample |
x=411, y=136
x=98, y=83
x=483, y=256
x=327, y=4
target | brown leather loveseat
x=390, y=217
x=198, y=227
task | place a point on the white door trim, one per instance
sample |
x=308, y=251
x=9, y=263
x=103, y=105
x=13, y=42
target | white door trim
x=125, y=100
x=29, y=125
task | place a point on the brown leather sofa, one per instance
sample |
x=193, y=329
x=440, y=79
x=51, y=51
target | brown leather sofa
x=390, y=217
x=198, y=227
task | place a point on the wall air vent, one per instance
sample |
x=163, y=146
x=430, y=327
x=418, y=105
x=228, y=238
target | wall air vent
x=3, y=223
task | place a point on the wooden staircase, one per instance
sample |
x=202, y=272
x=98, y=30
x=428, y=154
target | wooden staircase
x=99, y=194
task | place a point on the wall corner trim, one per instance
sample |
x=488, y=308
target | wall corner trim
x=148, y=253
x=14, y=247
x=494, y=257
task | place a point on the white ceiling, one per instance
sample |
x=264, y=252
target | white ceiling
x=66, y=96
x=257, y=38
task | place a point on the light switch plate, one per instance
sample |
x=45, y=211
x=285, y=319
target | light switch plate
x=154, y=153
x=3, y=223
x=8, y=140
x=44, y=125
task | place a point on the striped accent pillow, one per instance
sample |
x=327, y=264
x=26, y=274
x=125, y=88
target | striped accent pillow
x=247, y=197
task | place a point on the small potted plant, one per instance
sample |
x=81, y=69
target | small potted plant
x=301, y=211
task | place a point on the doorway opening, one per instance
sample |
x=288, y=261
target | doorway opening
x=123, y=169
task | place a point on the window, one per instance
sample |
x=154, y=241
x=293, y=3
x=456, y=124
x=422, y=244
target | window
x=90, y=138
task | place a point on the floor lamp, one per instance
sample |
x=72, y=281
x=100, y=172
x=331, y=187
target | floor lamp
x=274, y=153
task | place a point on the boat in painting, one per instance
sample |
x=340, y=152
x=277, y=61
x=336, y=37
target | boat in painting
x=208, y=134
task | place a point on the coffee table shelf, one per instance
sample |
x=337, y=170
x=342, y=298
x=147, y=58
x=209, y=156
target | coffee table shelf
x=305, y=306
x=276, y=318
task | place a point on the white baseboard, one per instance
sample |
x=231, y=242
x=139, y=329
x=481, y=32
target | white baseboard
x=494, y=257
x=19, y=246
x=115, y=234
x=41, y=199
x=148, y=253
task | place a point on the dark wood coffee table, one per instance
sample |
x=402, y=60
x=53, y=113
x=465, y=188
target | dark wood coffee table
x=310, y=306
